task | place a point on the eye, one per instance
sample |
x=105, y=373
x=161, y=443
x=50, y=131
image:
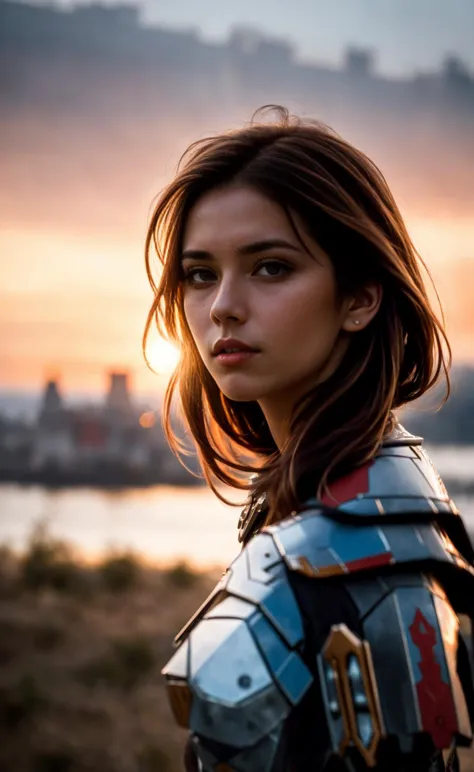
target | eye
x=198, y=276
x=274, y=268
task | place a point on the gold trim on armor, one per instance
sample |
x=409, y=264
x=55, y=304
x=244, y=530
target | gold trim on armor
x=180, y=698
x=340, y=644
x=302, y=565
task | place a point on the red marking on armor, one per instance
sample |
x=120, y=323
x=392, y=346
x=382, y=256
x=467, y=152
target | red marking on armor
x=437, y=709
x=374, y=561
x=347, y=488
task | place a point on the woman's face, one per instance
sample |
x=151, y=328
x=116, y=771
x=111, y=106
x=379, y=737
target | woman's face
x=248, y=277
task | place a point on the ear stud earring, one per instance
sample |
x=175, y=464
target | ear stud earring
x=356, y=321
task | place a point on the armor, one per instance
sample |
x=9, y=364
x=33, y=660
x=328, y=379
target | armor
x=394, y=674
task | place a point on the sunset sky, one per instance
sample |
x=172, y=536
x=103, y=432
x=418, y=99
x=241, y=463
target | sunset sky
x=76, y=305
x=75, y=197
x=73, y=290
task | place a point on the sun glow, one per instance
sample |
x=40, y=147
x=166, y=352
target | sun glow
x=162, y=355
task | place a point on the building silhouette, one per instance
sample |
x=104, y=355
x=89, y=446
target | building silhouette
x=99, y=444
x=132, y=63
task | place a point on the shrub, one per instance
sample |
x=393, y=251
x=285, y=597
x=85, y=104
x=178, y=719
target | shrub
x=8, y=572
x=47, y=636
x=13, y=636
x=21, y=702
x=153, y=759
x=49, y=563
x=120, y=572
x=126, y=664
x=182, y=575
x=54, y=761
x=135, y=659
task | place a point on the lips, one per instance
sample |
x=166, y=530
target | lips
x=231, y=345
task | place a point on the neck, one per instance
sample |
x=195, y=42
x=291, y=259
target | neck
x=277, y=416
x=278, y=408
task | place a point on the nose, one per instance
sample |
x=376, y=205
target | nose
x=229, y=302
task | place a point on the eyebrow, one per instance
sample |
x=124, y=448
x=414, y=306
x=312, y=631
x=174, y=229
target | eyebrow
x=247, y=249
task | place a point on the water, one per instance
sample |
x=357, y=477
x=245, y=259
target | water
x=162, y=523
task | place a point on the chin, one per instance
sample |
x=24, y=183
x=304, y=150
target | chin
x=241, y=395
x=247, y=392
x=240, y=392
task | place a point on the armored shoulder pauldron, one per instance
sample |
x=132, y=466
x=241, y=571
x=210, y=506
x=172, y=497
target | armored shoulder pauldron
x=395, y=540
x=400, y=482
x=240, y=670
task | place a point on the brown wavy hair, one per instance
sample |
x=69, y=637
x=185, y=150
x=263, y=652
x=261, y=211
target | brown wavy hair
x=347, y=208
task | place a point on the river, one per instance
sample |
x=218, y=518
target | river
x=163, y=523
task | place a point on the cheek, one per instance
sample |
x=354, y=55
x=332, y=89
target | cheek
x=195, y=315
x=310, y=315
x=191, y=313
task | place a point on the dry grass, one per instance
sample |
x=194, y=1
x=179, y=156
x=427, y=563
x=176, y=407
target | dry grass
x=81, y=649
x=80, y=683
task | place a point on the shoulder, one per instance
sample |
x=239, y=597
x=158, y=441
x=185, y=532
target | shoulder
x=400, y=478
x=238, y=672
x=393, y=510
x=242, y=663
x=400, y=481
x=258, y=578
x=400, y=485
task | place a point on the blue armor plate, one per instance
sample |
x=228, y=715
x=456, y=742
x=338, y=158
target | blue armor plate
x=242, y=665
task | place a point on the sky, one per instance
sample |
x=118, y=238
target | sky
x=73, y=290
x=410, y=35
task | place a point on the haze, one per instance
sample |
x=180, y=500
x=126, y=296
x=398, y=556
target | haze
x=410, y=35
x=97, y=110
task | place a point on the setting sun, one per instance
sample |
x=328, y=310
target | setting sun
x=162, y=355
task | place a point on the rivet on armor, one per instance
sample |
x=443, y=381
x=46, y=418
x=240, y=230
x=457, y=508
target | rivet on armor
x=244, y=681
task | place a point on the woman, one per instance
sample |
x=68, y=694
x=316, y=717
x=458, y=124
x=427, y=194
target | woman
x=293, y=289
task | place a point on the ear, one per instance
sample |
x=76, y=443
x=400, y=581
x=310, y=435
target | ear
x=362, y=307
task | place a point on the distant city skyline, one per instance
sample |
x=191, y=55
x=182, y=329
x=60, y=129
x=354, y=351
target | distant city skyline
x=407, y=35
